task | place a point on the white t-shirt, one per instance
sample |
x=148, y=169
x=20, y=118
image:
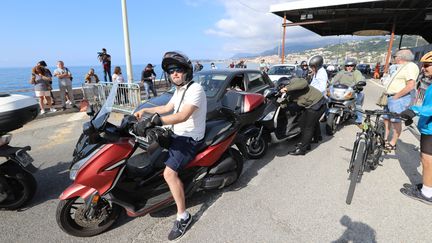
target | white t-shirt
x=193, y=127
x=319, y=80
x=118, y=78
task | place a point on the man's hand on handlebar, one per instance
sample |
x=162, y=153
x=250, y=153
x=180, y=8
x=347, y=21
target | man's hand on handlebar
x=141, y=127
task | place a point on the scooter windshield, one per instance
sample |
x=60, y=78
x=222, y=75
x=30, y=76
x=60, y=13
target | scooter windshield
x=102, y=116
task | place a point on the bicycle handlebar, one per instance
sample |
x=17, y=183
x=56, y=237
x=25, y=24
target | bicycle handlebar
x=380, y=113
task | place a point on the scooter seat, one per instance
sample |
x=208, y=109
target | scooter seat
x=213, y=131
x=144, y=164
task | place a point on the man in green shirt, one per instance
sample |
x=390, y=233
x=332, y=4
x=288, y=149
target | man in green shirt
x=350, y=76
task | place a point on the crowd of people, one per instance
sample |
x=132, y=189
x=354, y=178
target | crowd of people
x=308, y=91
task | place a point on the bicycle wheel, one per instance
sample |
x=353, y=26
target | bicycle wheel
x=355, y=174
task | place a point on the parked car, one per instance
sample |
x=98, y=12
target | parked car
x=216, y=83
x=279, y=71
x=364, y=68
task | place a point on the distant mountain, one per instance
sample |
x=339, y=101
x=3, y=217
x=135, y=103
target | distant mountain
x=378, y=45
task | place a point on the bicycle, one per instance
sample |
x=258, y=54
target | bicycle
x=368, y=148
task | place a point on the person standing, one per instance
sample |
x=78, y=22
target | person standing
x=49, y=74
x=198, y=66
x=40, y=79
x=398, y=91
x=313, y=102
x=65, y=84
x=148, y=76
x=213, y=66
x=91, y=77
x=303, y=71
x=350, y=76
x=377, y=71
x=188, y=121
x=105, y=59
x=319, y=74
x=263, y=66
x=423, y=192
x=117, y=75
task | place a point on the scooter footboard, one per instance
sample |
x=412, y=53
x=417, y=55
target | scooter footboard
x=76, y=190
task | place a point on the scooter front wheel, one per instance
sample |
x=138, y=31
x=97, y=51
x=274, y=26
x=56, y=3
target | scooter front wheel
x=256, y=148
x=17, y=187
x=331, y=125
x=73, y=219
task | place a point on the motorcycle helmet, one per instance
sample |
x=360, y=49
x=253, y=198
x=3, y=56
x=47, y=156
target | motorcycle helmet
x=316, y=61
x=427, y=58
x=350, y=62
x=177, y=59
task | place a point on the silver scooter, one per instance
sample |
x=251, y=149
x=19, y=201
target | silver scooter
x=341, y=105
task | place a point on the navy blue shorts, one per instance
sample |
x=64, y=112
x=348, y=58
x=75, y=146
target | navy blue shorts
x=181, y=151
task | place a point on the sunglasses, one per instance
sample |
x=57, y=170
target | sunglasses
x=349, y=65
x=426, y=65
x=176, y=69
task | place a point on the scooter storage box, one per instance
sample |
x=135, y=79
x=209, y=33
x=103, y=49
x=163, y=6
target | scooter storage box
x=248, y=106
x=16, y=110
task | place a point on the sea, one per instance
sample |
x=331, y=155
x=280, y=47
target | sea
x=16, y=80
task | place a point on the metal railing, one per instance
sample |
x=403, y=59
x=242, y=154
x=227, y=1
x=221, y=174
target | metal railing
x=128, y=96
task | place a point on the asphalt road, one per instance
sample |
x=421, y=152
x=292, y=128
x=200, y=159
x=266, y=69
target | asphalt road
x=279, y=198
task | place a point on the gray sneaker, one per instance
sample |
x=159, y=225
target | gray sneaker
x=411, y=186
x=416, y=194
x=180, y=228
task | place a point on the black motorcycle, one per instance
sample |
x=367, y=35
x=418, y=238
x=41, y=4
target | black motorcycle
x=17, y=184
x=279, y=122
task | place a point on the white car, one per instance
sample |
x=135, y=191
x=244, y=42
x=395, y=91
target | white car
x=281, y=70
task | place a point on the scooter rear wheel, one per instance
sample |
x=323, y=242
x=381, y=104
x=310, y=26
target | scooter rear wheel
x=72, y=219
x=19, y=187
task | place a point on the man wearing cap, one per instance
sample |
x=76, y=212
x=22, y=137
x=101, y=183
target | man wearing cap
x=148, y=76
x=105, y=59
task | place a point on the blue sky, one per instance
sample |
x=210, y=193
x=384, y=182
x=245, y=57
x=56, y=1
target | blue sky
x=74, y=31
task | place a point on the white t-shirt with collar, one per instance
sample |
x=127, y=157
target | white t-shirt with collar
x=193, y=127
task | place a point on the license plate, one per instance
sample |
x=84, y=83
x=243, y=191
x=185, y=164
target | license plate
x=23, y=157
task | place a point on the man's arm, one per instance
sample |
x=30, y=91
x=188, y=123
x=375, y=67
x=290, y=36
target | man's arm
x=179, y=117
x=158, y=109
x=409, y=86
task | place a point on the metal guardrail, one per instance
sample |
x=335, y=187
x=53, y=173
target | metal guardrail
x=128, y=96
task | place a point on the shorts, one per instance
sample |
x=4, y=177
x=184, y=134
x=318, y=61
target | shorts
x=182, y=150
x=42, y=93
x=397, y=106
x=426, y=144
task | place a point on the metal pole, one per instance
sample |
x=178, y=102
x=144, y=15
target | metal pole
x=126, y=43
x=389, y=48
x=283, y=40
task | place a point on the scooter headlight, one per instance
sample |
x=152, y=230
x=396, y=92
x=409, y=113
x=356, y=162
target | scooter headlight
x=75, y=168
x=269, y=116
x=78, y=165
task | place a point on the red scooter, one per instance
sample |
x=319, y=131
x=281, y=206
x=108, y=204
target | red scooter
x=113, y=169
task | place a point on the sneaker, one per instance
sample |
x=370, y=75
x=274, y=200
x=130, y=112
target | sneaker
x=42, y=112
x=411, y=186
x=68, y=102
x=416, y=194
x=53, y=109
x=180, y=228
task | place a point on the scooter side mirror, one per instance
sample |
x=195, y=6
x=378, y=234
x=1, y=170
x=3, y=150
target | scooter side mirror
x=361, y=83
x=270, y=92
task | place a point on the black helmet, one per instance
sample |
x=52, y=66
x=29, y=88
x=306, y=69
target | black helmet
x=180, y=60
x=316, y=61
x=303, y=63
x=350, y=62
